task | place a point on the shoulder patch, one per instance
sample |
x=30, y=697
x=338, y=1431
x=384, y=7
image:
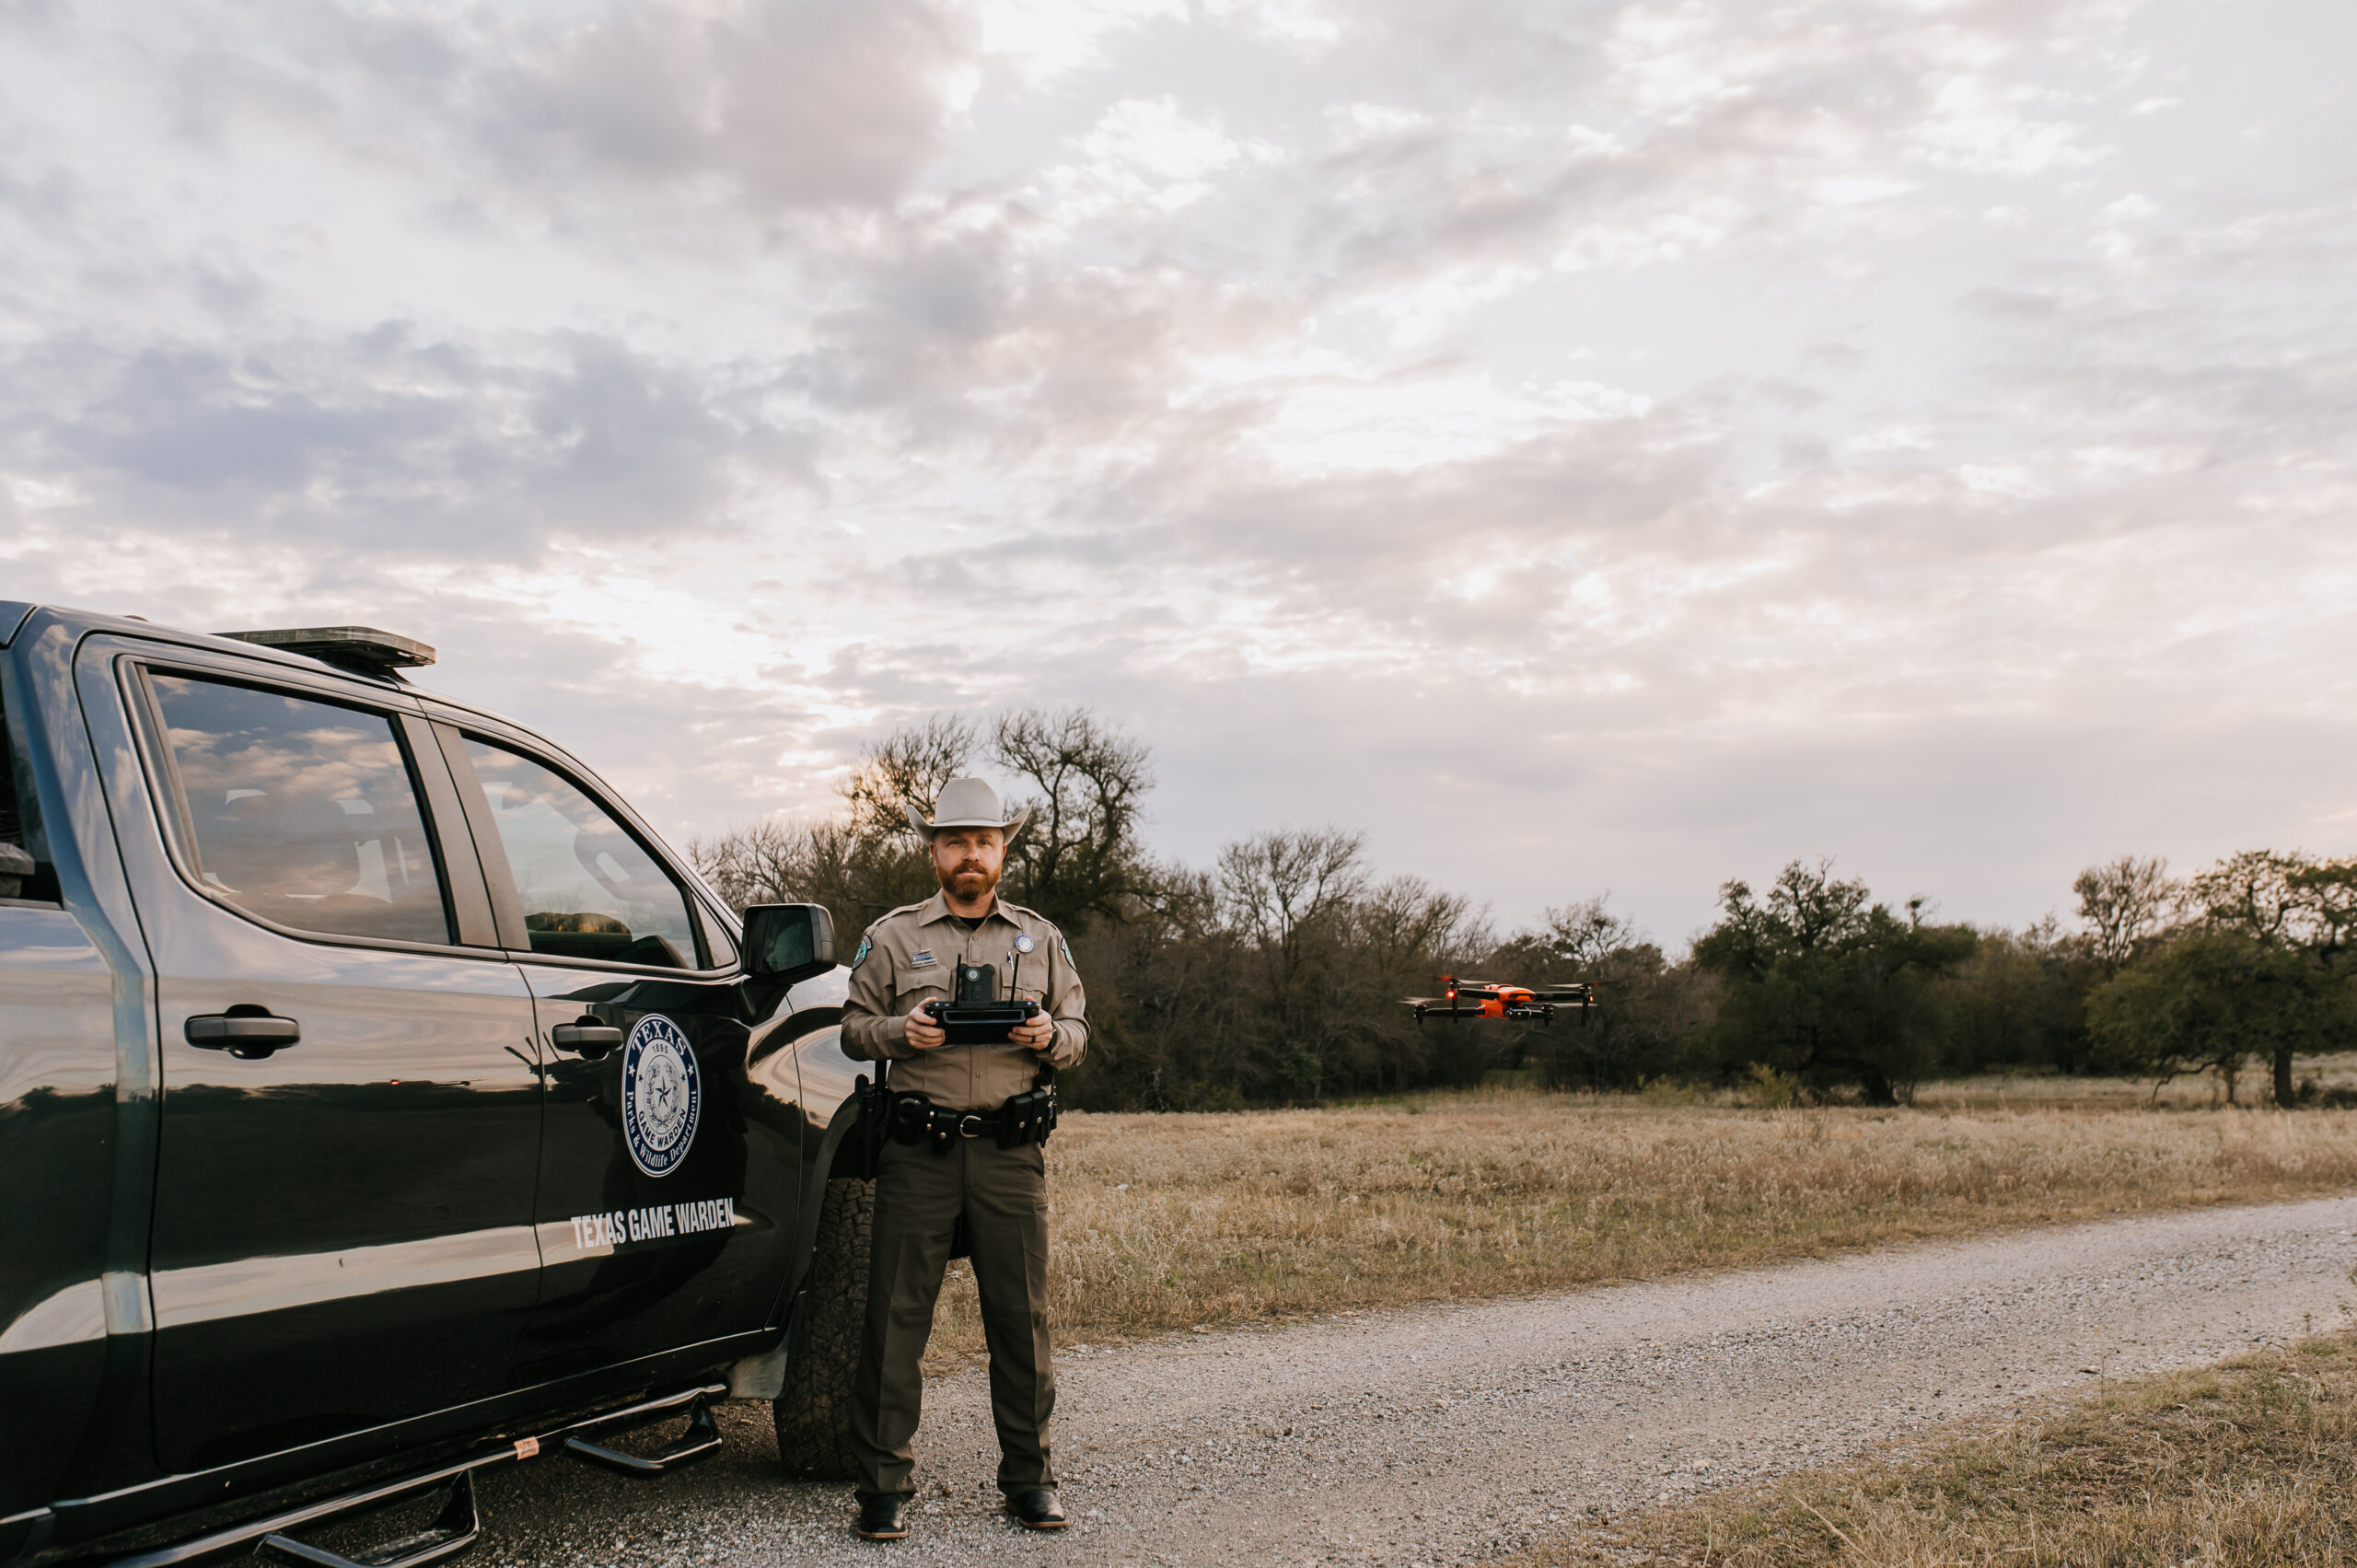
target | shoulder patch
x=1067, y=950
x=867, y=940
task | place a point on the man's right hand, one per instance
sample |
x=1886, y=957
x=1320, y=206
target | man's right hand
x=922, y=1032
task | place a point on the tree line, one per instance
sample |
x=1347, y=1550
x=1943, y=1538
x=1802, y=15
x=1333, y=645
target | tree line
x=1272, y=975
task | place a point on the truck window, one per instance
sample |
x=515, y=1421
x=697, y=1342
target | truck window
x=303, y=811
x=590, y=890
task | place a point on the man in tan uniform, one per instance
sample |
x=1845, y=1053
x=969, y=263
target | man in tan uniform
x=912, y=957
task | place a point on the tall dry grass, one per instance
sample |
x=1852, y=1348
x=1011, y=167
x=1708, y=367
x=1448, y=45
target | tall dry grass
x=2249, y=1465
x=1164, y=1221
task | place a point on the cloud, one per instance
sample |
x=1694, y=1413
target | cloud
x=387, y=443
x=1672, y=437
x=1302, y=23
x=762, y=105
x=787, y=104
x=1040, y=40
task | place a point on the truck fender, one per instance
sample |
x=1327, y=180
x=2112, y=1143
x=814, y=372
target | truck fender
x=762, y=1376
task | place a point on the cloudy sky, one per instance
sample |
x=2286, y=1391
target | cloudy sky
x=1585, y=445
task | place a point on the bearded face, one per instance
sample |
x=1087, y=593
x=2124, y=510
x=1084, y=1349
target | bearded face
x=968, y=861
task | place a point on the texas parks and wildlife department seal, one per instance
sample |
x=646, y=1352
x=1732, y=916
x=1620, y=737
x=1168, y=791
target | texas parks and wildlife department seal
x=662, y=1095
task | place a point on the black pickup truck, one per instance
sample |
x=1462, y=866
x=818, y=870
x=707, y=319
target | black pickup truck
x=379, y=1101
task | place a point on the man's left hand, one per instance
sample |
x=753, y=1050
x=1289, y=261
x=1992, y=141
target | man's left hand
x=1036, y=1033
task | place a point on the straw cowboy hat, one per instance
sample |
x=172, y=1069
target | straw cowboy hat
x=968, y=802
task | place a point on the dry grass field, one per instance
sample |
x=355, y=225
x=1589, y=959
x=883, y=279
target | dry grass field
x=2336, y=1072
x=2249, y=1465
x=1162, y=1222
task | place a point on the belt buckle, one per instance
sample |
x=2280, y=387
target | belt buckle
x=969, y=1125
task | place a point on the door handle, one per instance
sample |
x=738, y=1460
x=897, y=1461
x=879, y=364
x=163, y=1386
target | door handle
x=248, y=1033
x=588, y=1035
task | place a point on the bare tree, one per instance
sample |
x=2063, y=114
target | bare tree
x=1408, y=926
x=1078, y=855
x=821, y=863
x=906, y=770
x=1286, y=897
x=1275, y=886
x=2123, y=902
x=1394, y=938
x=1583, y=934
x=1166, y=1014
x=765, y=863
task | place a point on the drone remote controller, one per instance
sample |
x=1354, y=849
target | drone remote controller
x=977, y=1017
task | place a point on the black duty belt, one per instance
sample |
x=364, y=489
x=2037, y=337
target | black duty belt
x=1028, y=1118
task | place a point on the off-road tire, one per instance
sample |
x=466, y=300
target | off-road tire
x=814, y=1413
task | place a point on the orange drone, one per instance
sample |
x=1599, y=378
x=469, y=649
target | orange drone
x=1486, y=999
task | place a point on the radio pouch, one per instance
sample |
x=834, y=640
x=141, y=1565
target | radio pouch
x=1029, y=1116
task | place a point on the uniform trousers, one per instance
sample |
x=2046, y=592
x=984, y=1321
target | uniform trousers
x=1003, y=1194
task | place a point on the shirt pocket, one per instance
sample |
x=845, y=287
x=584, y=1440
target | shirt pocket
x=905, y=1002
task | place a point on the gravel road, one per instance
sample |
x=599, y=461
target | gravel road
x=1452, y=1434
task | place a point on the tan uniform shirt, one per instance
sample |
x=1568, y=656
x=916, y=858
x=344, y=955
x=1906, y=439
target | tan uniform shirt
x=912, y=956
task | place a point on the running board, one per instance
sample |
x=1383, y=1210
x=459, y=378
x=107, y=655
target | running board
x=459, y=1522
x=702, y=1438
x=453, y=1530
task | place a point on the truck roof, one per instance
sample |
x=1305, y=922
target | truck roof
x=14, y=614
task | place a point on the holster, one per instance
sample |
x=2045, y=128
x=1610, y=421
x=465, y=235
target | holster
x=874, y=1101
x=910, y=1117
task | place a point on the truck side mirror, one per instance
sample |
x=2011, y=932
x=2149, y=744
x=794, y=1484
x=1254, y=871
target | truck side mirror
x=785, y=943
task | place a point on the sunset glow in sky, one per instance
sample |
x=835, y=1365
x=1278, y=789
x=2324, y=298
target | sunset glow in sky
x=1587, y=446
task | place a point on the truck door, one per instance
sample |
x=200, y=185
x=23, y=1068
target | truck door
x=668, y=1172
x=342, y=1230
x=57, y=1128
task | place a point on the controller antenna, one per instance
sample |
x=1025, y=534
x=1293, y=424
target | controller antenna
x=1022, y=946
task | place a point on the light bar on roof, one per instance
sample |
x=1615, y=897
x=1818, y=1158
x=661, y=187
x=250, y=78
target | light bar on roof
x=362, y=648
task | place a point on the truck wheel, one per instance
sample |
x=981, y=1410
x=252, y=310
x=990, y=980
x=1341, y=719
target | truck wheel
x=814, y=1413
